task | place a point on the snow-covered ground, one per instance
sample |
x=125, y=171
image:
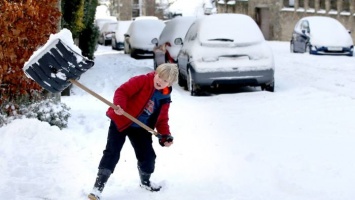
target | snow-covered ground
x=296, y=143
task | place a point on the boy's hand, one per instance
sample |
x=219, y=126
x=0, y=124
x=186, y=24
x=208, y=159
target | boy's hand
x=119, y=110
x=166, y=140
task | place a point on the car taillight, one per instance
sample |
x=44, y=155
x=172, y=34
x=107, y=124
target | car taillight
x=168, y=44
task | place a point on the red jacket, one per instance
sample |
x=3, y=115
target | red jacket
x=133, y=96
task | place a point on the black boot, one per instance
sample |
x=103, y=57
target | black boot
x=101, y=179
x=146, y=184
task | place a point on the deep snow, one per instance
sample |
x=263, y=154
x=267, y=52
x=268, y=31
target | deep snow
x=247, y=144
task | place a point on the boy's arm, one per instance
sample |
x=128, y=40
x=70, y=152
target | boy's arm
x=128, y=89
x=162, y=124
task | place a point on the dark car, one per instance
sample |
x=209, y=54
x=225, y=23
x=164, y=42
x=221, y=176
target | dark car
x=321, y=35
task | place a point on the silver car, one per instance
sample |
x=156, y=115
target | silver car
x=225, y=49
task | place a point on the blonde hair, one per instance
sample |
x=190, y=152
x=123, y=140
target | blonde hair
x=168, y=71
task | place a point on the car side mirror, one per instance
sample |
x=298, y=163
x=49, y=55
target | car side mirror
x=178, y=41
x=349, y=31
x=126, y=35
x=304, y=31
x=155, y=41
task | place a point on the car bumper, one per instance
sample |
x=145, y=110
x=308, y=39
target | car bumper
x=144, y=53
x=120, y=45
x=242, y=78
x=330, y=51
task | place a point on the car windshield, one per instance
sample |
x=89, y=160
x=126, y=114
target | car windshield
x=111, y=27
x=327, y=31
x=326, y=27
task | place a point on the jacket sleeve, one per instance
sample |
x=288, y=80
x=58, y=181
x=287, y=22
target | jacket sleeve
x=162, y=124
x=128, y=90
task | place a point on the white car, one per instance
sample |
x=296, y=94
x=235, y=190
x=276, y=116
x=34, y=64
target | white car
x=118, y=37
x=166, y=50
x=106, y=33
x=99, y=22
x=321, y=35
x=140, y=35
x=225, y=49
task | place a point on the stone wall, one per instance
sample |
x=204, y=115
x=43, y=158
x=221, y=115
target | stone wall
x=283, y=17
x=343, y=11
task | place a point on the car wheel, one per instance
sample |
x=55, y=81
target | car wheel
x=292, y=48
x=270, y=87
x=155, y=64
x=191, y=86
x=126, y=50
x=181, y=81
x=308, y=48
x=133, y=53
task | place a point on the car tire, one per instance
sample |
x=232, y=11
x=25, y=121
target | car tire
x=113, y=44
x=292, y=47
x=133, y=53
x=191, y=86
x=181, y=81
x=270, y=87
x=155, y=64
x=126, y=48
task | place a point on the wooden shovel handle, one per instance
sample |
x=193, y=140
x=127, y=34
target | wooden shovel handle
x=115, y=107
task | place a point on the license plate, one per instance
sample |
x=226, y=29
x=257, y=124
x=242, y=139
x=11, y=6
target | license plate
x=335, y=48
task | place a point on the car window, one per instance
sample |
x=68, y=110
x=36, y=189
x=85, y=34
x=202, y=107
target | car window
x=191, y=33
x=305, y=26
x=175, y=28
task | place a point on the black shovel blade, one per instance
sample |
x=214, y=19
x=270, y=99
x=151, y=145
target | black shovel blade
x=55, y=65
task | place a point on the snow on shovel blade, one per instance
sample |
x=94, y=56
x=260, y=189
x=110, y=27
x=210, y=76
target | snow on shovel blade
x=55, y=65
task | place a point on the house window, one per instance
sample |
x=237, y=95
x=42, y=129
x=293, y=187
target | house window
x=289, y=3
x=301, y=4
x=346, y=6
x=321, y=4
x=333, y=5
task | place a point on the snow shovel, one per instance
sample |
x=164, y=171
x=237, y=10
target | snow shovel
x=56, y=66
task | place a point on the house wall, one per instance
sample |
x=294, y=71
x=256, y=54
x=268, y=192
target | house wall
x=122, y=9
x=284, y=17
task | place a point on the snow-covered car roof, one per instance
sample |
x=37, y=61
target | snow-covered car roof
x=143, y=31
x=175, y=28
x=99, y=22
x=109, y=27
x=242, y=29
